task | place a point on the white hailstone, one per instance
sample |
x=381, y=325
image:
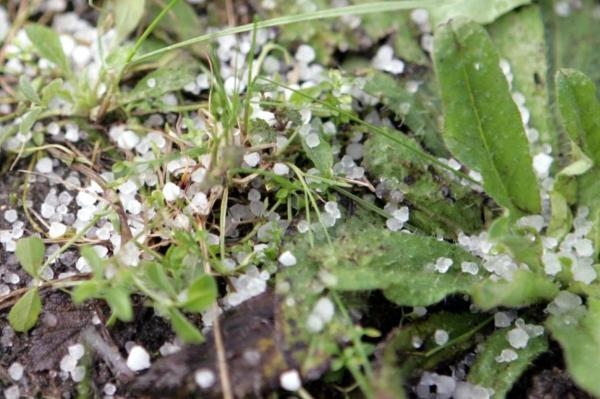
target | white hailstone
x=331, y=207
x=566, y=300
x=502, y=319
x=394, y=224
x=200, y=203
x=420, y=16
x=290, y=380
x=281, y=169
x=198, y=175
x=57, y=230
x=305, y=54
x=81, y=55
x=15, y=371
x=562, y=8
x=10, y=215
x=171, y=192
x=464, y=390
x=12, y=393
x=536, y=222
x=169, y=348
x=44, y=165
x=312, y=140
x=324, y=309
x=584, y=247
x=303, y=226
x=518, y=338
x=205, y=378
x=252, y=159
x=443, y=264
x=469, y=268
x=138, y=358
x=133, y=206
x=127, y=140
x=584, y=273
x=542, y=163
x=151, y=83
x=440, y=336
x=72, y=133
x=53, y=128
x=129, y=254
x=506, y=356
x=287, y=259
x=78, y=374
x=420, y=311
x=68, y=363
x=85, y=198
x=253, y=195
x=86, y=214
x=76, y=351
x=402, y=214
x=551, y=263
x=109, y=389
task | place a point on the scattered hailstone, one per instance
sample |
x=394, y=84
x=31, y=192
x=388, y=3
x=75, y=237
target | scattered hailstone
x=290, y=380
x=312, y=140
x=12, y=393
x=171, y=192
x=518, y=338
x=305, y=54
x=502, y=319
x=129, y=254
x=205, y=378
x=252, y=159
x=200, y=203
x=109, y=389
x=536, y=222
x=138, y=358
x=76, y=351
x=542, y=163
x=57, y=230
x=287, y=259
x=506, y=356
x=15, y=371
x=440, y=337
x=10, y=215
x=127, y=140
x=44, y=165
x=68, y=363
x=469, y=268
x=551, y=263
x=151, y=83
x=281, y=169
x=442, y=264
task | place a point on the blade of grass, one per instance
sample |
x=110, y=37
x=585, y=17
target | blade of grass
x=359, y=9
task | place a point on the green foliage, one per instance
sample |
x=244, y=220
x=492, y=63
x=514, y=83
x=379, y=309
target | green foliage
x=581, y=345
x=30, y=252
x=487, y=372
x=475, y=10
x=127, y=15
x=47, y=43
x=24, y=314
x=483, y=128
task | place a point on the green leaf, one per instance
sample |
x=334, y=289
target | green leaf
x=528, y=65
x=29, y=119
x=321, y=155
x=161, y=81
x=156, y=274
x=476, y=10
x=30, y=252
x=120, y=303
x=92, y=258
x=201, y=294
x=184, y=329
x=370, y=258
x=483, y=127
x=561, y=218
x=27, y=90
x=127, y=15
x=487, y=372
x=580, y=342
x=580, y=110
x=24, y=314
x=52, y=90
x=47, y=43
x=86, y=290
x=524, y=289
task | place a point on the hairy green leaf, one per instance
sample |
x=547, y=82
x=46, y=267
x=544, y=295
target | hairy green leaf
x=483, y=127
x=30, y=252
x=27, y=90
x=201, y=294
x=24, y=314
x=524, y=289
x=127, y=15
x=161, y=81
x=47, y=43
x=580, y=110
x=479, y=11
x=581, y=345
x=488, y=373
x=119, y=302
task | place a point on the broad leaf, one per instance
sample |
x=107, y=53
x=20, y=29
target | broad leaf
x=47, y=43
x=29, y=119
x=524, y=289
x=500, y=377
x=581, y=345
x=160, y=82
x=483, y=127
x=30, y=252
x=476, y=10
x=120, y=303
x=185, y=330
x=24, y=314
x=401, y=264
x=201, y=294
x=27, y=90
x=127, y=15
x=580, y=110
